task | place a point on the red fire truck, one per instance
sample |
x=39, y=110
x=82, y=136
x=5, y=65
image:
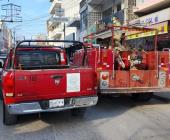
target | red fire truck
x=126, y=65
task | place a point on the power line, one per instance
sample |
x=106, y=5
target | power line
x=36, y=18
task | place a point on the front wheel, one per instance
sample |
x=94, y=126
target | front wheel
x=8, y=119
x=142, y=96
x=78, y=112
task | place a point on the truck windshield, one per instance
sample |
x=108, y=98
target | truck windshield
x=34, y=59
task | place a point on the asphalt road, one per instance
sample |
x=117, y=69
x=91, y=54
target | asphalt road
x=112, y=119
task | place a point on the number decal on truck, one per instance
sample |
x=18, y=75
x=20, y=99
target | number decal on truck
x=162, y=79
x=73, y=82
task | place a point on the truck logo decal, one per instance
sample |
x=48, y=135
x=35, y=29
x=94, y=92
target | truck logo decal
x=57, y=82
x=162, y=79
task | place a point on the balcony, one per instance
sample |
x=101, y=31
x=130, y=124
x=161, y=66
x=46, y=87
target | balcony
x=74, y=22
x=150, y=6
x=54, y=21
x=56, y=33
x=51, y=24
x=59, y=12
x=55, y=4
x=95, y=2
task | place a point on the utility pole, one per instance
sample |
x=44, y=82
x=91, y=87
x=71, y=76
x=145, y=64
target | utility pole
x=14, y=36
x=64, y=30
x=12, y=13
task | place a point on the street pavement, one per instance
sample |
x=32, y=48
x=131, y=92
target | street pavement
x=117, y=118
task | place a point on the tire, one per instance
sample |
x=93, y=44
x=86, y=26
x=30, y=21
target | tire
x=80, y=112
x=8, y=119
x=142, y=96
x=1, y=96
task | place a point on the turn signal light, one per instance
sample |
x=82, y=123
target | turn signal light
x=8, y=83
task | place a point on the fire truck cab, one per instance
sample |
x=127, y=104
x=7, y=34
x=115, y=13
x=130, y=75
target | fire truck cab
x=124, y=67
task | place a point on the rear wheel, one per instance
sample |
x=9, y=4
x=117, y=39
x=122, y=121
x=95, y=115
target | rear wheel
x=8, y=119
x=1, y=95
x=142, y=96
x=78, y=112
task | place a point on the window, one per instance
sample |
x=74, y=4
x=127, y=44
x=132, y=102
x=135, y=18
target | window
x=119, y=7
x=37, y=58
x=107, y=16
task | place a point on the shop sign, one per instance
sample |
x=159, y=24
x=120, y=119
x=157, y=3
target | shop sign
x=154, y=18
x=162, y=28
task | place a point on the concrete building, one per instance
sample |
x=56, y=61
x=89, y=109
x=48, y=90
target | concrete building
x=64, y=15
x=144, y=7
x=93, y=11
x=56, y=22
x=72, y=8
x=5, y=37
x=154, y=14
x=41, y=37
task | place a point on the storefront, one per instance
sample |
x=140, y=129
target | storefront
x=159, y=20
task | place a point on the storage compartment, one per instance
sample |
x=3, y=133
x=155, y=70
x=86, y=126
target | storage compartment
x=152, y=60
x=122, y=79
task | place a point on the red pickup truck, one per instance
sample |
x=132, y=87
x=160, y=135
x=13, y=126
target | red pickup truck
x=40, y=79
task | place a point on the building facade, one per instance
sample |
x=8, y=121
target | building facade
x=72, y=8
x=154, y=14
x=5, y=37
x=103, y=11
x=63, y=14
x=56, y=22
x=41, y=37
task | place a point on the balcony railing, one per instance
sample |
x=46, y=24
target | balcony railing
x=55, y=4
x=74, y=22
x=56, y=33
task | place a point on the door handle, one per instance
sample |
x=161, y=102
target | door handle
x=56, y=76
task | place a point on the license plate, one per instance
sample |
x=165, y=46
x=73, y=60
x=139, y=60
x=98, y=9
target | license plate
x=56, y=103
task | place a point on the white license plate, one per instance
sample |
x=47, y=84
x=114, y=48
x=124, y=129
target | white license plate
x=56, y=103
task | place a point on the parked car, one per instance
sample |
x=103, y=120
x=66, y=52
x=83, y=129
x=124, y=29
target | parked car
x=39, y=79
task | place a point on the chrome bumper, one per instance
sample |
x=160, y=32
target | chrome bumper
x=133, y=90
x=36, y=107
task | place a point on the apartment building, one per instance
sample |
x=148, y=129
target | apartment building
x=93, y=11
x=56, y=22
x=41, y=37
x=5, y=37
x=63, y=14
x=72, y=8
x=154, y=14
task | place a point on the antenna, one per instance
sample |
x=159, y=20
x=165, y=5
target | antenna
x=12, y=13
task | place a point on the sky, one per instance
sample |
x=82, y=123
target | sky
x=34, y=16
